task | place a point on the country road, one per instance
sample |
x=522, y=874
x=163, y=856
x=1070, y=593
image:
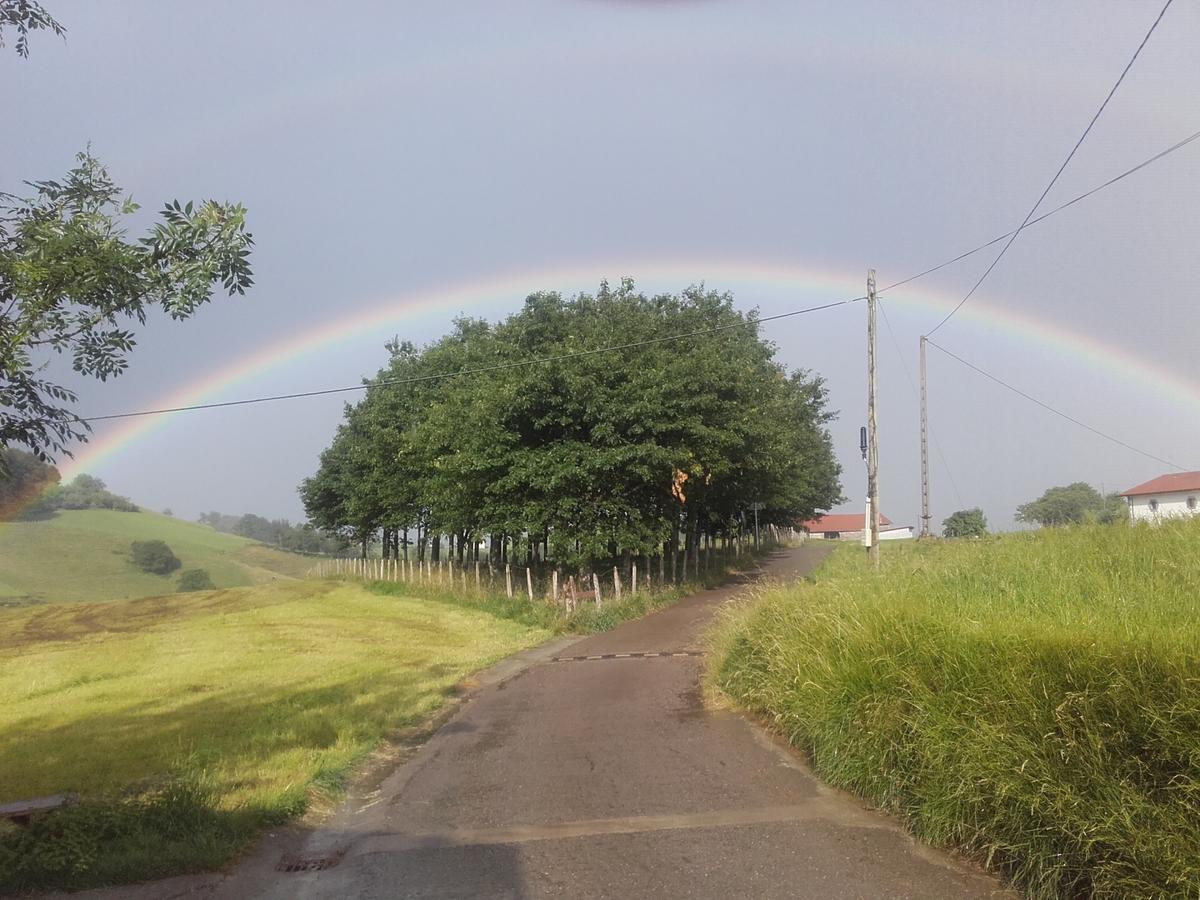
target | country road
x=583, y=777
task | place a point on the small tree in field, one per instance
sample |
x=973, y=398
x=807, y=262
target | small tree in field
x=195, y=580
x=154, y=557
x=965, y=523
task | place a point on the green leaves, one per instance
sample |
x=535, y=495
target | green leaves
x=70, y=283
x=1073, y=504
x=26, y=16
x=581, y=451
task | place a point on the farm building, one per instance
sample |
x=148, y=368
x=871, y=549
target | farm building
x=849, y=527
x=1177, y=494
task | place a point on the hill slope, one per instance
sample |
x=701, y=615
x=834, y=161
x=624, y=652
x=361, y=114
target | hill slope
x=83, y=555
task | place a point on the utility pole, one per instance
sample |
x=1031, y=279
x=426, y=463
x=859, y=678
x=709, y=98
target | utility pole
x=872, y=428
x=924, y=448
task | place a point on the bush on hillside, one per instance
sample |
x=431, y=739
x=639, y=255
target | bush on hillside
x=154, y=557
x=1033, y=700
x=195, y=580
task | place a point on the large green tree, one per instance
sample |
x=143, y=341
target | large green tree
x=585, y=456
x=1073, y=504
x=73, y=284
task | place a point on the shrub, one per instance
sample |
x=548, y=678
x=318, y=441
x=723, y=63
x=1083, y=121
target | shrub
x=195, y=580
x=154, y=557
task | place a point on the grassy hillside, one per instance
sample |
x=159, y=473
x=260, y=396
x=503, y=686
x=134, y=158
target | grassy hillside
x=83, y=556
x=189, y=722
x=1032, y=699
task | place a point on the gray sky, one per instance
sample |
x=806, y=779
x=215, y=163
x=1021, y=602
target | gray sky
x=402, y=150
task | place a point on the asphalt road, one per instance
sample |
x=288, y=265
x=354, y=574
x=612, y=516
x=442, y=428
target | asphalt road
x=608, y=777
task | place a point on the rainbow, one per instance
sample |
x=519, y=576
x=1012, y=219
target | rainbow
x=382, y=318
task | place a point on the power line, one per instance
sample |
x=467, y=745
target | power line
x=339, y=390
x=516, y=364
x=1049, y=408
x=908, y=377
x=1054, y=180
x=1153, y=159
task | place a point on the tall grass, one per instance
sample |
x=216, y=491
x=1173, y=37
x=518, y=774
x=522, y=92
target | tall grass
x=1033, y=700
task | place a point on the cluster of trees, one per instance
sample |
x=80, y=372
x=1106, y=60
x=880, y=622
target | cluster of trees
x=1071, y=504
x=31, y=489
x=584, y=456
x=85, y=492
x=1074, y=504
x=279, y=532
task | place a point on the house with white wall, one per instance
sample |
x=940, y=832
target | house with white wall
x=1177, y=494
x=849, y=527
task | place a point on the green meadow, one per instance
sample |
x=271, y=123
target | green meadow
x=187, y=723
x=1031, y=699
x=83, y=555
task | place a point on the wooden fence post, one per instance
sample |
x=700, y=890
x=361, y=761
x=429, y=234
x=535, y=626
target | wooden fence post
x=554, y=587
x=596, y=585
x=508, y=579
x=633, y=581
x=616, y=585
x=529, y=582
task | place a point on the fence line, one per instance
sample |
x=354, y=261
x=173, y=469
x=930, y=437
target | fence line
x=546, y=581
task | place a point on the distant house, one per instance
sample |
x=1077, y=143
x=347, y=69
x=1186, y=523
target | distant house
x=849, y=527
x=1177, y=494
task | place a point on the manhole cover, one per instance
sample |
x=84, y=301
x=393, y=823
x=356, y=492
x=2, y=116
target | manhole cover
x=291, y=863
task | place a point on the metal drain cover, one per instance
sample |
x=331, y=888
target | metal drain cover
x=645, y=655
x=292, y=863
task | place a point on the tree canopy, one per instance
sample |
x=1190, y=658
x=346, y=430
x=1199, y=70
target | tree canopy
x=589, y=454
x=1073, y=504
x=965, y=523
x=72, y=284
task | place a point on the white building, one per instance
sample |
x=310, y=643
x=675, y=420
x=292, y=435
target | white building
x=849, y=527
x=1163, y=497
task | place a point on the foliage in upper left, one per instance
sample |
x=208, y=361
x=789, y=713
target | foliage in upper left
x=71, y=283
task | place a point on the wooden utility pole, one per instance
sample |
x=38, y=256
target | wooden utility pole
x=925, y=516
x=872, y=429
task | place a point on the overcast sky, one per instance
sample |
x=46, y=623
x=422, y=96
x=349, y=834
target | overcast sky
x=393, y=152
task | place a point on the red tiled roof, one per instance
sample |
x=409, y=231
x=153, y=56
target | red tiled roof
x=840, y=522
x=1165, y=484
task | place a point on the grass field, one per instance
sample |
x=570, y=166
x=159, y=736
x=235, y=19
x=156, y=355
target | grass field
x=1032, y=699
x=189, y=722
x=83, y=555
